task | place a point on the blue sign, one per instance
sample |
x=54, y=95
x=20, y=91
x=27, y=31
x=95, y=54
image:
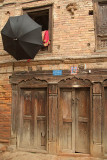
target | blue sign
x=57, y=72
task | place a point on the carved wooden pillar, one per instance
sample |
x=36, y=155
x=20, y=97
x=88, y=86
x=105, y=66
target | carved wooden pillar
x=97, y=104
x=14, y=114
x=52, y=118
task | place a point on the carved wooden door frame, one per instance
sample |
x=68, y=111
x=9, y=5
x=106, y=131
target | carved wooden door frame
x=104, y=86
x=75, y=83
x=53, y=84
x=30, y=83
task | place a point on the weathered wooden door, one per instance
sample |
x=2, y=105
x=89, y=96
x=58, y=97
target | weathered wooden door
x=33, y=119
x=105, y=124
x=82, y=103
x=74, y=120
x=67, y=120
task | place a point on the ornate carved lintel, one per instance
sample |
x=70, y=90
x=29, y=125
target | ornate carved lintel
x=75, y=82
x=71, y=7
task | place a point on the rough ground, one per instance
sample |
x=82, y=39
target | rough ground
x=18, y=155
x=25, y=156
x=9, y=153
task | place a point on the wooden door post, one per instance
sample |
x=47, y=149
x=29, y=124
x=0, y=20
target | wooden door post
x=97, y=104
x=14, y=116
x=52, y=118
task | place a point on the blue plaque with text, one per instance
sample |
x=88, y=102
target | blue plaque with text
x=57, y=72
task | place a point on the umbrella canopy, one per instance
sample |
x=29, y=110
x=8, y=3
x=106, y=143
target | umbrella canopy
x=22, y=37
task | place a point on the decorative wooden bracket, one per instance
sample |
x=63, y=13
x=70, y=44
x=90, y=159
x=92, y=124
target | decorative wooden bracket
x=71, y=7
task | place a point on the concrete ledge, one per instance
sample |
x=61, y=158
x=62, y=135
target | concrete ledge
x=56, y=60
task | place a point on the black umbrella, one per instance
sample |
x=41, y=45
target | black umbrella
x=22, y=37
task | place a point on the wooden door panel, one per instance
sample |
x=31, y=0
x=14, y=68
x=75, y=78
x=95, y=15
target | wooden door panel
x=105, y=124
x=102, y=19
x=82, y=142
x=28, y=110
x=26, y=141
x=26, y=126
x=74, y=121
x=66, y=108
x=82, y=120
x=33, y=125
x=67, y=136
x=66, y=104
x=40, y=104
x=40, y=98
x=41, y=134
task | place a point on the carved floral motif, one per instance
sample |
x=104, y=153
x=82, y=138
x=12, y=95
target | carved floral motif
x=71, y=7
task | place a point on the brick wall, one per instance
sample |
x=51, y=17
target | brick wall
x=5, y=108
x=71, y=36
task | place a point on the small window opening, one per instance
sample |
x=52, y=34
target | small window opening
x=42, y=18
x=90, y=12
